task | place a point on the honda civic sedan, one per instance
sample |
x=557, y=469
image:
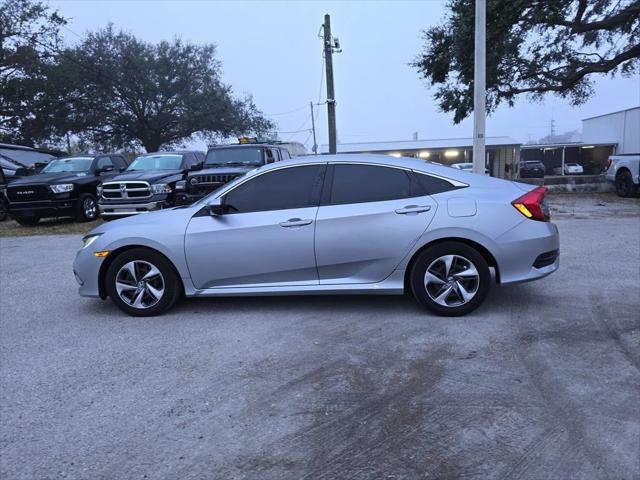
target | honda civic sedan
x=343, y=224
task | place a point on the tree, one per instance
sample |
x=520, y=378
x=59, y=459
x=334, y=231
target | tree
x=534, y=47
x=119, y=90
x=29, y=36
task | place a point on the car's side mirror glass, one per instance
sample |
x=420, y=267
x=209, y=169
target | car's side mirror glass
x=216, y=206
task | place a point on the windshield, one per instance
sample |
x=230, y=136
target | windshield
x=75, y=164
x=234, y=156
x=156, y=162
x=27, y=158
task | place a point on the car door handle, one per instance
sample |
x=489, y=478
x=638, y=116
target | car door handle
x=413, y=209
x=296, y=222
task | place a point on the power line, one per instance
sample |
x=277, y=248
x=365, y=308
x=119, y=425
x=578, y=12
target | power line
x=285, y=113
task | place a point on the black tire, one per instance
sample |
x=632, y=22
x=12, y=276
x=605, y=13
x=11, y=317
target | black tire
x=26, y=221
x=171, y=285
x=86, y=208
x=3, y=210
x=624, y=184
x=454, y=303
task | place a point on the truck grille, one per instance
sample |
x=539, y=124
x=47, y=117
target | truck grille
x=28, y=193
x=119, y=190
x=215, y=179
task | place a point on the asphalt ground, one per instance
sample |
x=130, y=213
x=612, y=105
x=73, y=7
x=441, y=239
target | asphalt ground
x=543, y=381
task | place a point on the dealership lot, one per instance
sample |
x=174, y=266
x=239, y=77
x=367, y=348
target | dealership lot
x=542, y=381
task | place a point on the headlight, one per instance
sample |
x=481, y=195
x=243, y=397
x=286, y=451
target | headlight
x=61, y=187
x=89, y=239
x=160, y=188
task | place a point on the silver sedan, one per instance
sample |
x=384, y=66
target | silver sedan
x=343, y=224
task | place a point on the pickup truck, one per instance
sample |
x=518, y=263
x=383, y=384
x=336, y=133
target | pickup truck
x=224, y=163
x=65, y=187
x=624, y=172
x=147, y=184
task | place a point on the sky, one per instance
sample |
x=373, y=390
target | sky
x=271, y=50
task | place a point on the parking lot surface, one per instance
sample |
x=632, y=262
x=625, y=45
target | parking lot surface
x=543, y=381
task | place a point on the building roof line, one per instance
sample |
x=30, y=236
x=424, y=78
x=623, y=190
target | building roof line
x=611, y=113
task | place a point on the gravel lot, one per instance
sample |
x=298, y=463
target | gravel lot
x=543, y=381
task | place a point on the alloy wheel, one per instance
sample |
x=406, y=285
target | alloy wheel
x=89, y=208
x=451, y=280
x=140, y=284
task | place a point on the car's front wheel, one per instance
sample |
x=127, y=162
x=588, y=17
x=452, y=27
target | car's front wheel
x=142, y=282
x=450, y=279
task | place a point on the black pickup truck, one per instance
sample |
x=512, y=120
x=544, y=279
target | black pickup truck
x=65, y=187
x=147, y=184
x=224, y=163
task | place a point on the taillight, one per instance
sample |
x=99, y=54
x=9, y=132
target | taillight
x=533, y=205
x=609, y=162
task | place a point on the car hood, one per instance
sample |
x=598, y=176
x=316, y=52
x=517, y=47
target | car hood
x=223, y=171
x=50, y=178
x=145, y=175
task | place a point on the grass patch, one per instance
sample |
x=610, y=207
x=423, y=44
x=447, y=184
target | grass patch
x=47, y=226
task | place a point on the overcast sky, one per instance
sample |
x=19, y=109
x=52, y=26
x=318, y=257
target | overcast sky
x=272, y=51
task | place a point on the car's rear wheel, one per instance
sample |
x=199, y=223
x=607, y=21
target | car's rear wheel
x=142, y=282
x=27, y=221
x=624, y=184
x=450, y=279
x=87, y=208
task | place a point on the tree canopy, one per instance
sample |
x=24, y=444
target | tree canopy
x=112, y=89
x=534, y=47
x=29, y=36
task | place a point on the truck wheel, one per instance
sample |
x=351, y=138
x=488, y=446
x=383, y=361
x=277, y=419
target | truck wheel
x=26, y=221
x=624, y=184
x=87, y=208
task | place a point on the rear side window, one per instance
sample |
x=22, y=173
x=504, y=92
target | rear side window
x=422, y=184
x=270, y=156
x=285, y=154
x=295, y=187
x=368, y=183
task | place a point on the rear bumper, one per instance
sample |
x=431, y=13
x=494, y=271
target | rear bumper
x=528, y=252
x=126, y=209
x=44, y=208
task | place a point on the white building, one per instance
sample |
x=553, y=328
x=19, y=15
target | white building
x=621, y=128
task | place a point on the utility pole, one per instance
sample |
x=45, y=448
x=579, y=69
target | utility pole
x=331, y=101
x=313, y=129
x=479, y=87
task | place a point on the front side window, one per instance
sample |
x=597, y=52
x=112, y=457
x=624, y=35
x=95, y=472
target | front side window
x=234, y=156
x=104, y=162
x=295, y=187
x=368, y=183
x=156, y=162
x=77, y=165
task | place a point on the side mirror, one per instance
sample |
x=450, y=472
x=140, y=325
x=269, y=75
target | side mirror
x=193, y=168
x=21, y=172
x=216, y=207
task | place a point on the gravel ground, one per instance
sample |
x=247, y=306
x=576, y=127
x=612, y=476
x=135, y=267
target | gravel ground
x=543, y=381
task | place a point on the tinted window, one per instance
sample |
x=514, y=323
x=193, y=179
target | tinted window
x=428, y=185
x=119, y=162
x=295, y=187
x=234, y=155
x=367, y=183
x=104, y=162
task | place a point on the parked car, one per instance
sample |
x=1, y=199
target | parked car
x=18, y=160
x=3, y=196
x=467, y=167
x=327, y=225
x=66, y=187
x=531, y=169
x=225, y=163
x=147, y=184
x=624, y=172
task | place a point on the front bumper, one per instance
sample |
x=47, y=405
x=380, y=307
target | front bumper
x=126, y=209
x=44, y=208
x=86, y=269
